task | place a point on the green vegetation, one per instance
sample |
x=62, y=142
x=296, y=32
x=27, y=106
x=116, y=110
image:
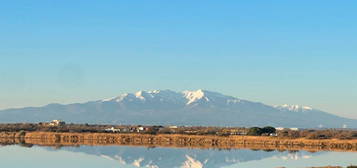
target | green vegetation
x=351, y=166
x=257, y=131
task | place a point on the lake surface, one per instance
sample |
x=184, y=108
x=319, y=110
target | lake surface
x=16, y=156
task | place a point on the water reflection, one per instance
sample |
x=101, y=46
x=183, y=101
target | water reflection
x=133, y=157
x=171, y=157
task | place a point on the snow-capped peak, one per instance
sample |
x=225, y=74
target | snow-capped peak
x=147, y=95
x=296, y=108
x=143, y=95
x=117, y=99
x=185, y=98
x=193, y=96
x=207, y=96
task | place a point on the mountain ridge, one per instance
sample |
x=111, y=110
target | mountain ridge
x=190, y=96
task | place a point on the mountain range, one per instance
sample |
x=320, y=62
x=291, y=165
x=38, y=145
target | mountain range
x=166, y=107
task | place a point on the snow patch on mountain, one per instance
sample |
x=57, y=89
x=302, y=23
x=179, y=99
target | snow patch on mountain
x=295, y=108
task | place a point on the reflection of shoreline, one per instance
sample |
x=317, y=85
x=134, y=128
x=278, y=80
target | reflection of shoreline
x=176, y=141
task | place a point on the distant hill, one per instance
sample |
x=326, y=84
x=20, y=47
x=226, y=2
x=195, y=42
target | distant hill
x=165, y=107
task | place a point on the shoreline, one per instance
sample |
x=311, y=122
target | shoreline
x=58, y=139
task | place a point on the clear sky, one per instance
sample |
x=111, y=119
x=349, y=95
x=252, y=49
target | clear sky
x=276, y=52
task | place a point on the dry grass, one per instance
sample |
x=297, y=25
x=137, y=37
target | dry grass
x=183, y=141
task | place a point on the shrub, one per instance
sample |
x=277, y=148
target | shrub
x=351, y=166
x=268, y=130
x=255, y=131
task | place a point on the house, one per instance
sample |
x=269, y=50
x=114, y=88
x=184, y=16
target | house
x=56, y=123
x=132, y=129
x=112, y=129
x=190, y=132
x=241, y=133
x=294, y=129
x=125, y=129
x=279, y=128
x=140, y=129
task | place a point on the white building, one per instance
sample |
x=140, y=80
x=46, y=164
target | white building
x=140, y=129
x=112, y=130
x=57, y=123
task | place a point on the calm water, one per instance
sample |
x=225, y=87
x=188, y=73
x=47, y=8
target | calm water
x=133, y=157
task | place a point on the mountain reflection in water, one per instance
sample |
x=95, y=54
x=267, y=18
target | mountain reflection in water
x=132, y=157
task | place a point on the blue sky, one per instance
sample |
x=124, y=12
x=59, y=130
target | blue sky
x=276, y=52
